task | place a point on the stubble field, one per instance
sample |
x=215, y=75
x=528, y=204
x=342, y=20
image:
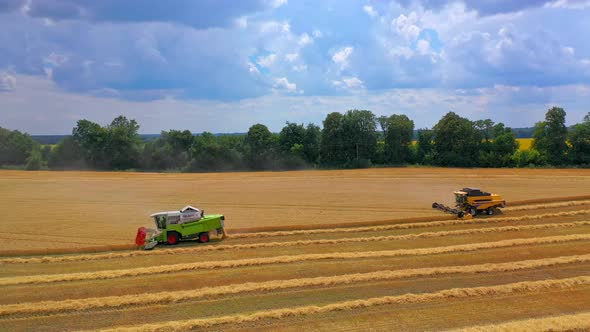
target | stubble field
x=321, y=250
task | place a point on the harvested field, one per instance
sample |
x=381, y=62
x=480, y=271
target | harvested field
x=313, y=250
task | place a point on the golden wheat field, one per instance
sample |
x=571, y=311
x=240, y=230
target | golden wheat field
x=350, y=250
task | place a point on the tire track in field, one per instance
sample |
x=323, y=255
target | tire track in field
x=77, y=258
x=546, y=206
x=573, y=322
x=408, y=225
x=65, y=306
x=524, y=287
x=143, y=271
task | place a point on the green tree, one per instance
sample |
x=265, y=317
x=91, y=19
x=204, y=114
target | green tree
x=311, y=143
x=360, y=138
x=290, y=135
x=92, y=140
x=456, y=141
x=34, y=161
x=169, y=151
x=261, y=145
x=486, y=128
x=67, y=155
x=425, y=149
x=579, y=138
x=123, y=143
x=332, y=140
x=15, y=147
x=398, y=131
x=527, y=158
x=550, y=136
x=210, y=153
x=498, y=148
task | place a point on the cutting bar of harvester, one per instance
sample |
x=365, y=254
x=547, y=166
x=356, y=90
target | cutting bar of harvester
x=448, y=209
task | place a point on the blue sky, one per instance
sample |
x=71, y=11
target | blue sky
x=223, y=65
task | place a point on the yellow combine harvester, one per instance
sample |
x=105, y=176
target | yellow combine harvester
x=470, y=202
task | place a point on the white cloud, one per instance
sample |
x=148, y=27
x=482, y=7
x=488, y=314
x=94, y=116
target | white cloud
x=55, y=59
x=370, y=11
x=242, y=22
x=7, y=81
x=267, y=61
x=252, y=68
x=402, y=51
x=406, y=26
x=317, y=33
x=349, y=83
x=423, y=47
x=274, y=26
x=291, y=57
x=568, y=50
x=305, y=39
x=284, y=84
x=300, y=68
x=341, y=56
x=278, y=3
x=569, y=4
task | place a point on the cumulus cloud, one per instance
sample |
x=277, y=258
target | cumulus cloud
x=483, y=7
x=305, y=39
x=267, y=61
x=198, y=14
x=291, y=57
x=423, y=47
x=283, y=83
x=240, y=53
x=278, y=3
x=348, y=83
x=7, y=81
x=370, y=11
x=341, y=56
x=569, y=4
x=300, y=68
x=406, y=26
x=274, y=26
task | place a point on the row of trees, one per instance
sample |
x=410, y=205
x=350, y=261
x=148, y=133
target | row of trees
x=356, y=138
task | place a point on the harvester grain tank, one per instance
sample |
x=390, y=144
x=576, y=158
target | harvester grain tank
x=471, y=202
x=174, y=226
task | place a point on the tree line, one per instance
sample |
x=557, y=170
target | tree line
x=354, y=139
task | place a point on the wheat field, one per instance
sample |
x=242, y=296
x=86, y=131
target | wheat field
x=313, y=250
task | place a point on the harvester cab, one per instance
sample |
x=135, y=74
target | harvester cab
x=174, y=226
x=470, y=202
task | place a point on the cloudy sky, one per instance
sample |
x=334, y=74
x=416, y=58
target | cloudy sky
x=223, y=65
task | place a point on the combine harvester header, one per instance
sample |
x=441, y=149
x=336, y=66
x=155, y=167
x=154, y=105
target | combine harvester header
x=470, y=202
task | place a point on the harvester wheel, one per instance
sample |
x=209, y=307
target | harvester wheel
x=204, y=237
x=461, y=214
x=473, y=211
x=490, y=211
x=172, y=238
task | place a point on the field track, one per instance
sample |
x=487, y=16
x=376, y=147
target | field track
x=526, y=269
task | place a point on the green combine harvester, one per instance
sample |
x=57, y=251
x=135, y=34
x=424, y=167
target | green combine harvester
x=174, y=226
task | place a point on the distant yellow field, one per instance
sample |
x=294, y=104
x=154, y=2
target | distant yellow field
x=524, y=143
